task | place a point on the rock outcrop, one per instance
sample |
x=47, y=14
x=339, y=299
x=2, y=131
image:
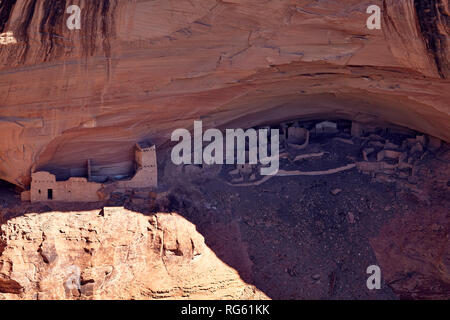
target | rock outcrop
x=112, y=254
x=139, y=69
x=414, y=254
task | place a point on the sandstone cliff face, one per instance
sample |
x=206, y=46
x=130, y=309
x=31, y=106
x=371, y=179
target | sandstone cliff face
x=139, y=69
x=112, y=254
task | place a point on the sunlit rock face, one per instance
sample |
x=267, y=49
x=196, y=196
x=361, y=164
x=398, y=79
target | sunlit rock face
x=139, y=69
x=112, y=254
x=414, y=252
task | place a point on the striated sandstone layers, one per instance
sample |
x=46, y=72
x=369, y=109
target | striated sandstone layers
x=112, y=254
x=139, y=69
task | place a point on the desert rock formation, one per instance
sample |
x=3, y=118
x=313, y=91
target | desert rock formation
x=414, y=251
x=139, y=69
x=112, y=254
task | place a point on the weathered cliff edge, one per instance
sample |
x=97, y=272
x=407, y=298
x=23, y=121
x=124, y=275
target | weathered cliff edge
x=139, y=69
x=112, y=254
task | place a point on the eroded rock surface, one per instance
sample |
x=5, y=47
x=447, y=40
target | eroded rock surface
x=140, y=69
x=112, y=254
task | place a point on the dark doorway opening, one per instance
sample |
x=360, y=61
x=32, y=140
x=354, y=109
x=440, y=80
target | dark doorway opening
x=50, y=194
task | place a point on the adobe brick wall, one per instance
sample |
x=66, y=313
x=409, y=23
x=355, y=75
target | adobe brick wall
x=44, y=184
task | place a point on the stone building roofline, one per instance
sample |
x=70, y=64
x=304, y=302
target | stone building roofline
x=145, y=146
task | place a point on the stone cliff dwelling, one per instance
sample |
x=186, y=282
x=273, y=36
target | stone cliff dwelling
x=45, y=187
x=364, y=150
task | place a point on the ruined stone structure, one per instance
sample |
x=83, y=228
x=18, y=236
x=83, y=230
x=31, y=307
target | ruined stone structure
x=44, y=186
x=325, y=127
x=41, y=251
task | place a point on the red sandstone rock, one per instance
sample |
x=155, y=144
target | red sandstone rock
x=143, y=68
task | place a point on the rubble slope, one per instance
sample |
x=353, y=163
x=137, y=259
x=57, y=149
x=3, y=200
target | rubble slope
x=112, y=254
